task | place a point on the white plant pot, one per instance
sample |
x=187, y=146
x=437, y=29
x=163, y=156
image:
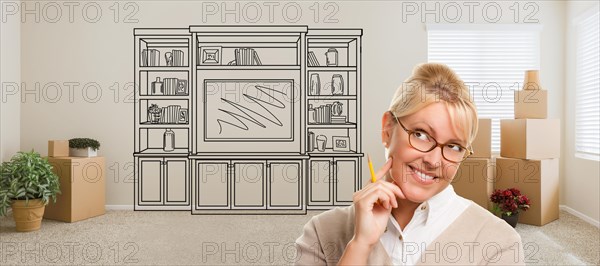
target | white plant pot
x=89, y=152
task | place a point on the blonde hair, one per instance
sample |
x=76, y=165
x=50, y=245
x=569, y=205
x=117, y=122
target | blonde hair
x=431, y=83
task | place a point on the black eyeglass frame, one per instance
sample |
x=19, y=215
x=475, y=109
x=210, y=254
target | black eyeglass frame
x=437, y=144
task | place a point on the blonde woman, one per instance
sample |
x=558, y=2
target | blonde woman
x=412, y=215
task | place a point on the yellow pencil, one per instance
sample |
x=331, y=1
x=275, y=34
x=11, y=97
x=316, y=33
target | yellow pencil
x=373, y=178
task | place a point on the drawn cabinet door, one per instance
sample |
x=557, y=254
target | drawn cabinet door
x=176, y=181
x=150, y=181
x=320, y=189
x=345, y=180
x=212, y=185
x=249, y=185
x=284, y=184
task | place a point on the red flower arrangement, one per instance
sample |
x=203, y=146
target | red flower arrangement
x=509, y=201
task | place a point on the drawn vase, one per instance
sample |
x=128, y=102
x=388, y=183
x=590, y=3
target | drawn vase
x=169, y=58
x=311, y=141
x=332, y=57
x=321, y=143
x=169, y=140
x=157, y=87
x=311, y=114
x=315, y=84
x=337, y=84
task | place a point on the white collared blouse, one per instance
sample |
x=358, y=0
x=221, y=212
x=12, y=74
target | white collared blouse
x=430, y=219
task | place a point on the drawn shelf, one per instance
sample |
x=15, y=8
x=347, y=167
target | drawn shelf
x=163, y=111
x=329, y=152
x=163, y=97
x=164, y=125
x=163, y=52
x=332, y=126
x=162, y=152
x=164, y=68
x=332, y=83
x=319, y=98
x=153, y=137
x=261, y=67
x=331, y=68
x=325, y=53
x=242, y=50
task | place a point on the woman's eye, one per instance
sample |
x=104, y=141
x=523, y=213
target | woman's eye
x=422, y=135
x=455, y=147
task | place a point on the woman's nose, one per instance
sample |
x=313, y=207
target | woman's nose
x=433, y=159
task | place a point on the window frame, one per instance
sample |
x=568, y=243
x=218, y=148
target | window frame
x=534, y=28
x=578, y=23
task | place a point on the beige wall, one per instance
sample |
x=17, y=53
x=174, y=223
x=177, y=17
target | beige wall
x=10, y=77
x=101, y=53
x=580, y=183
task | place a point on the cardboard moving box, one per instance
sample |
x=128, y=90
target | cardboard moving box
x=82, y=185
x=58, y=148
x=531, y=104
x=474, y=180
x=482, y=144
x=530, y=138
x=538, y=180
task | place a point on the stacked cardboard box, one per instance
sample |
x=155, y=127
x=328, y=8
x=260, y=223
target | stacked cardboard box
x=529, y=150
x=58, y=148
x=82, y=183
x=474, y=178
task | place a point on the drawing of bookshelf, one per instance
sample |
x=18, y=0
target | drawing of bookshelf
x=247, y=119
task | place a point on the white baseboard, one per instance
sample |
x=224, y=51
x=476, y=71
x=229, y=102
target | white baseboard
x=580, y=215
x=119, y=207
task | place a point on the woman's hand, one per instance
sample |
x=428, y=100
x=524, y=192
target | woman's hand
x=373, y=205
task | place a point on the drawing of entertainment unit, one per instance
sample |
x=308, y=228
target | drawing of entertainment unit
x=247, y=119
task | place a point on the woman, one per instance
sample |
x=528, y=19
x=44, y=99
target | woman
x=411, y=214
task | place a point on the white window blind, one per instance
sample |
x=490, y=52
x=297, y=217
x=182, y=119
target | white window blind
x=587, y=107
x=491, y=60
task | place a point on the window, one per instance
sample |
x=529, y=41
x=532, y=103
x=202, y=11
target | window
x=587, y=107
x=491, y=60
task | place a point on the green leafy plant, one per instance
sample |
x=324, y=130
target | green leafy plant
x=84, y=143
x=27, y=176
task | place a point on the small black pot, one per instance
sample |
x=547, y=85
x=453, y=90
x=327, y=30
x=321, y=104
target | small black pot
x=512, y=220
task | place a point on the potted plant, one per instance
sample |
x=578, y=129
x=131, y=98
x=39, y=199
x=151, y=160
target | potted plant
x=83, y=147
x=509, y=203
x=26, y=184
x=155, y=112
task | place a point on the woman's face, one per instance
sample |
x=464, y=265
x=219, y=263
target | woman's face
x=409, y=164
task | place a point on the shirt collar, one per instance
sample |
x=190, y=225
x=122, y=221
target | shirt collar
x=437, y=204
x=432, y=208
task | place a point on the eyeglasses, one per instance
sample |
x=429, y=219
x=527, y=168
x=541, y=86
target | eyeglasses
x=421, y=141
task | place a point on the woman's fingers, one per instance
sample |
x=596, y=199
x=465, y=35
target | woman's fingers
x=380, y=185
x=384, y=169
x=394, y=188
x=369, y=199
x=383, y=187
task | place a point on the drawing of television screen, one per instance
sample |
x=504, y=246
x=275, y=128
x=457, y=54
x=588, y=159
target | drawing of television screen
x=248, y=110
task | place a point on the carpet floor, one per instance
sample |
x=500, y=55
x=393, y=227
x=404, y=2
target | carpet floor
x=178, y=238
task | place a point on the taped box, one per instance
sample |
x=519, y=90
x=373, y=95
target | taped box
x=530, y=138
x=82, y=186
x=531, y=104
x=538, y=180
x=474, y=180
x=482, y=144
x=58, y=148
